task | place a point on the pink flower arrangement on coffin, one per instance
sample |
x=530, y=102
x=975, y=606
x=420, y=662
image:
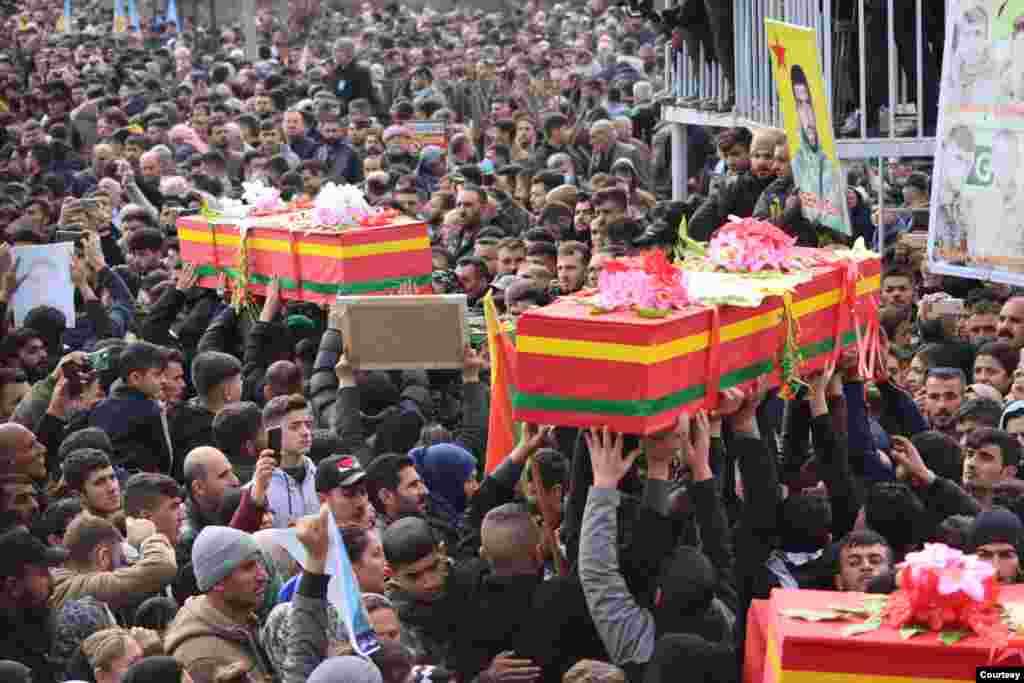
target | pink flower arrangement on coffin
x=262, y=198
x=649, y=283
x=750, y=245
x=338, y=205
x=941, y=589
x=956, y=571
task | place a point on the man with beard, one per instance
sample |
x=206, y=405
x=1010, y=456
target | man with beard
x=220, y=625
x=991, y=456
x=944, y=392
x=349, y=80
x=145, y=250
x=605, y=150
x=1011, y=322
x=18, y=501
x=272, y=144
x=340, y=160
x=21, y=452
x=863, y=555
x=469, y=202
x=341, y=484
x=219, y=142
x=295, y=135
x=25, y=616
x=813, y=171
x=87, y=180
x=26, y=350
x=736, y=195
x=208, y=476
x=148, y=179
x=395, y=488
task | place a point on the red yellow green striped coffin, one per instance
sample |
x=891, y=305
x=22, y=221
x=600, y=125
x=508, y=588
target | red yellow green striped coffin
x=313, y=266
x=780, y=649
x=636, y=374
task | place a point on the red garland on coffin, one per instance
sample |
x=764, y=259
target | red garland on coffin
x=378, y=220
x=297, y=205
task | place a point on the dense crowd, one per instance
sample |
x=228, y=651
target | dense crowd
x=138, y=487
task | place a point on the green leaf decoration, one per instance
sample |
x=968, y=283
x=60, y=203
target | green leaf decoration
x=853, y=611
x=953, y=637
x=876, y=605
x=651, y=313
x=863, y=627
x=908, y=632
x=812, y=614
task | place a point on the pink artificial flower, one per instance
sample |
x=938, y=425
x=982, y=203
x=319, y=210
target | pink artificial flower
x=622, y=289
x=268, y=200
x=325, y=215
x=644, y=283
x=969, y=577
x=750, y=245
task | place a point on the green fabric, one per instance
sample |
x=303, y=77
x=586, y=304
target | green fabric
x=322, y=287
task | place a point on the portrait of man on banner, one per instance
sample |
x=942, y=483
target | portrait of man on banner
x=974, y=78
x=976, y=224
x=803, y=99
x=814, y=172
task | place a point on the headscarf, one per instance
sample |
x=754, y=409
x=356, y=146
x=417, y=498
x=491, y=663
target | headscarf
x=445, y=468
x=153, y=670
x=426, y=181
x=1013, y=409
x=347, y=669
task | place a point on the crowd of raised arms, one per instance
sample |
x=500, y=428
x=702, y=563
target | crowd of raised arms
x=138, y=495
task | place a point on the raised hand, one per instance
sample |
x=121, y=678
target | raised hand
x=312, y=532
x=606, y=458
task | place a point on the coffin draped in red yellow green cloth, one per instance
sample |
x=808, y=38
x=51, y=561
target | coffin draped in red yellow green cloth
x=781, y=649
x=314, y=265
x=637, y=374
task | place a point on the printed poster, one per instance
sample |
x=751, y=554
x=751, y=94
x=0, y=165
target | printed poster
x=43, y=274
x=429, y=133
x=976, y=227
x=804, y=101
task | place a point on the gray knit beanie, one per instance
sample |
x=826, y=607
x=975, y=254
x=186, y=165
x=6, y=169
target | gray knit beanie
x=218, y=551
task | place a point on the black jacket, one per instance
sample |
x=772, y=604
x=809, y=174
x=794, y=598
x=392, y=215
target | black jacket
x=772, y=207
x=545, y=621
x=158, y=326
x=352, y=82
x=737, y=196
x=265, y=343
x=135, y=425
x=191, y=425
x=30, y=645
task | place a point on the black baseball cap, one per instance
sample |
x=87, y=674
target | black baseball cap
x=338, y=471
x=19, y=548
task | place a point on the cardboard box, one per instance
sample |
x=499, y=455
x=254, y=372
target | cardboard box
x=403, y=332
x=315, y=265
x=783, y=650
x=636, y=375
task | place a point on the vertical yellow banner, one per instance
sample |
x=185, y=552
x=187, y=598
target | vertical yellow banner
x=803, y=99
